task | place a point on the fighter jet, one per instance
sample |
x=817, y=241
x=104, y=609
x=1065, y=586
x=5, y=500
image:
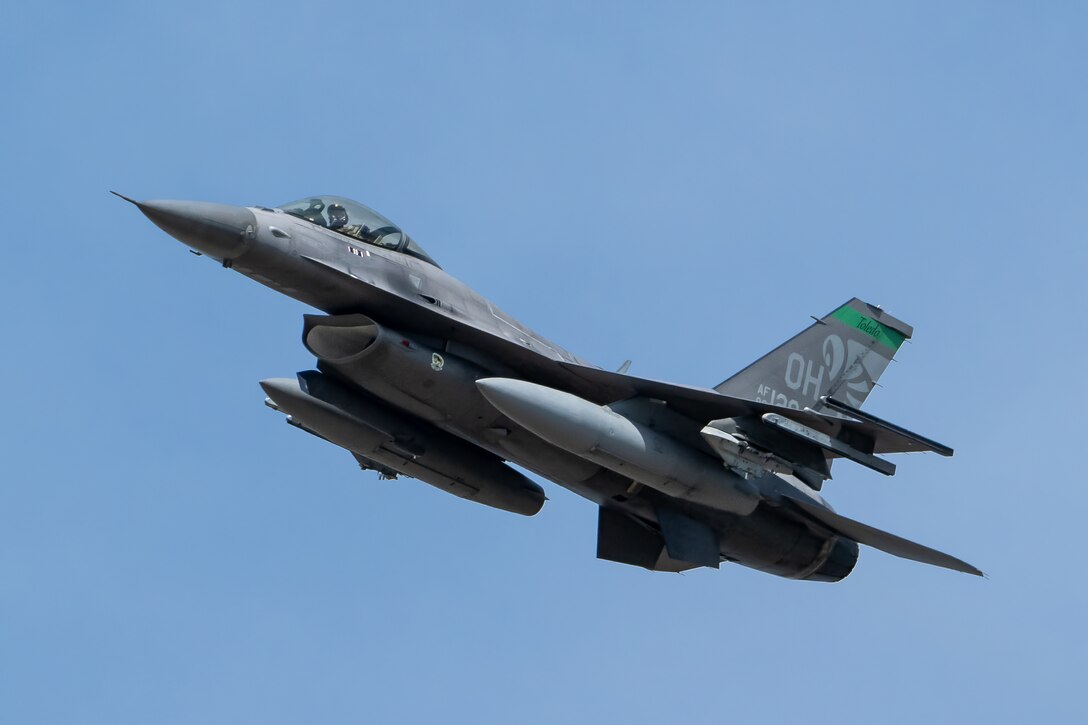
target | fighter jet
x=419, y=376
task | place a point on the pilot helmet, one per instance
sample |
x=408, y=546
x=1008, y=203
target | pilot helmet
x=338, y=216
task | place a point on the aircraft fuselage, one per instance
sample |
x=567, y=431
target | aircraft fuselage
x=420, y=375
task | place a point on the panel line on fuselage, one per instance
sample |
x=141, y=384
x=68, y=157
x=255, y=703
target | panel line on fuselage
x=525, y=336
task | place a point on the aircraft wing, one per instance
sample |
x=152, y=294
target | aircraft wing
x=695, y=402
x=604, y=387
x=706, y=404
x=419, y=316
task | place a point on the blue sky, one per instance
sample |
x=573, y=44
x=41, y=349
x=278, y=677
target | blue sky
x=679, y=184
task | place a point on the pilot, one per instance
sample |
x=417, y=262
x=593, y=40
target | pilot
x=338, y=220
x=313, y=212
x=338, y=216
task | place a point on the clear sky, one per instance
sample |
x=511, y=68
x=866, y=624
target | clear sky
x=682, y=184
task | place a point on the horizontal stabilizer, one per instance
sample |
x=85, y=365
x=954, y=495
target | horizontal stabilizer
x=888, y=543
x=828, y=443
x=915, y=441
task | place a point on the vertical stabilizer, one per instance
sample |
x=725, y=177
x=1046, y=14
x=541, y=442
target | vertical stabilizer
x=840, y=356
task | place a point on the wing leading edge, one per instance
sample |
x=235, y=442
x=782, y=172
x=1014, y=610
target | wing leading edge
x=705, y=404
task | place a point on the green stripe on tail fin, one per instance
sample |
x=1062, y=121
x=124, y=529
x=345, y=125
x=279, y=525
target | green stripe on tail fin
x=842, y=355
x=883, y=334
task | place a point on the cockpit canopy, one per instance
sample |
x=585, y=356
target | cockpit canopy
x=356, y=221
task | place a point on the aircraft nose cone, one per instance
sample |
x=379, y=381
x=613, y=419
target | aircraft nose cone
x=221, y=231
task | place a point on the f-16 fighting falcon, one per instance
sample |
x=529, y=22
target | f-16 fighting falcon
x=419, y=376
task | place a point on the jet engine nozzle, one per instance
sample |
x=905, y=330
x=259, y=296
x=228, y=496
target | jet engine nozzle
x=220, y=231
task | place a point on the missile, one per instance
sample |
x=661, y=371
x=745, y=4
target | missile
x=598, y=434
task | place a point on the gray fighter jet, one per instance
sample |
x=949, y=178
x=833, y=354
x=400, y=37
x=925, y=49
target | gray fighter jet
x=418, y=375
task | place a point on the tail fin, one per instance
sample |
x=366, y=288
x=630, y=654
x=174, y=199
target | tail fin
x=840, y=356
